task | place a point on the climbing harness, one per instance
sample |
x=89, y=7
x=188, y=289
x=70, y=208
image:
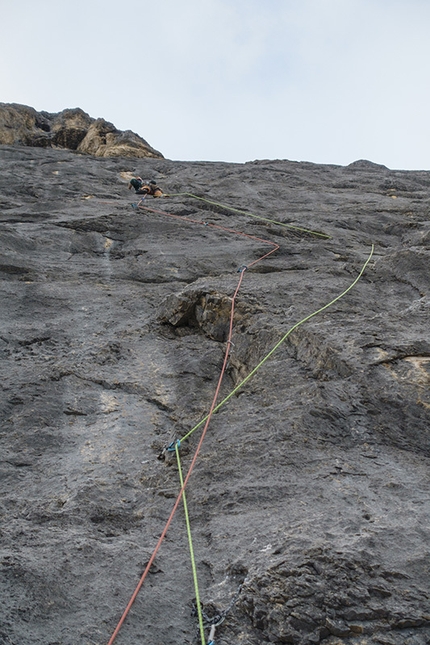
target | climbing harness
x=175, y=445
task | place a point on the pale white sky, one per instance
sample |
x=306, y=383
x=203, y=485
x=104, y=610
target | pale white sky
x=327, y=81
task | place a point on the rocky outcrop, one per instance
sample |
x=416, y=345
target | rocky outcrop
x=72, y=129
x=309, y=503
x=326, y=594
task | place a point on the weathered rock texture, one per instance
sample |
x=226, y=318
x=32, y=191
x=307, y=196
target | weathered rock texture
x=72, y=129
x=311, y=494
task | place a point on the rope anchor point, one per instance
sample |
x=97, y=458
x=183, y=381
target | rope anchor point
x=169, y=449
x=172, y=446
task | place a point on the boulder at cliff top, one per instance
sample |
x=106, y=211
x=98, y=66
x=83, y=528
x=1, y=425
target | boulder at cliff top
x=72, y=129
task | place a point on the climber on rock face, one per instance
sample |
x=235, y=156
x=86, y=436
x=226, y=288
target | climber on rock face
x=136, y=183
x=145, y=189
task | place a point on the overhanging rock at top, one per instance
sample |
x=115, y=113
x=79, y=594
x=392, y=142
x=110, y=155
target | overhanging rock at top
x=73, y=129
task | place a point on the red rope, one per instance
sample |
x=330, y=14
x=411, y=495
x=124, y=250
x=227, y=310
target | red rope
x=199, y=445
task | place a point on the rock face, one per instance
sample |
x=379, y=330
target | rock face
x=72, y=129
x=309, y=503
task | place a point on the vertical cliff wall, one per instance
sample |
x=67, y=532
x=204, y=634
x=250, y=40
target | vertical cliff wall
x=309, y=502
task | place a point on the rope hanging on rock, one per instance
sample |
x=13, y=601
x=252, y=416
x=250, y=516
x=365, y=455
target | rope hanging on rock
x=248, y=214
x=175, y=445
x=191, y=549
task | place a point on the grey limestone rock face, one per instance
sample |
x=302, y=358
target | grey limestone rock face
x=72, y=129
x=309, y=503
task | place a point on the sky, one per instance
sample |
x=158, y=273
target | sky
x=325, y=81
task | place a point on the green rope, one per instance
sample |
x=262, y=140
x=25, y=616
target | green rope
x=190, y=544
x=264, y=219
x=279, y=343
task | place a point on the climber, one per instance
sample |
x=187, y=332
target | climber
x=145, y=189
x=136, y=183
x=152, y=189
